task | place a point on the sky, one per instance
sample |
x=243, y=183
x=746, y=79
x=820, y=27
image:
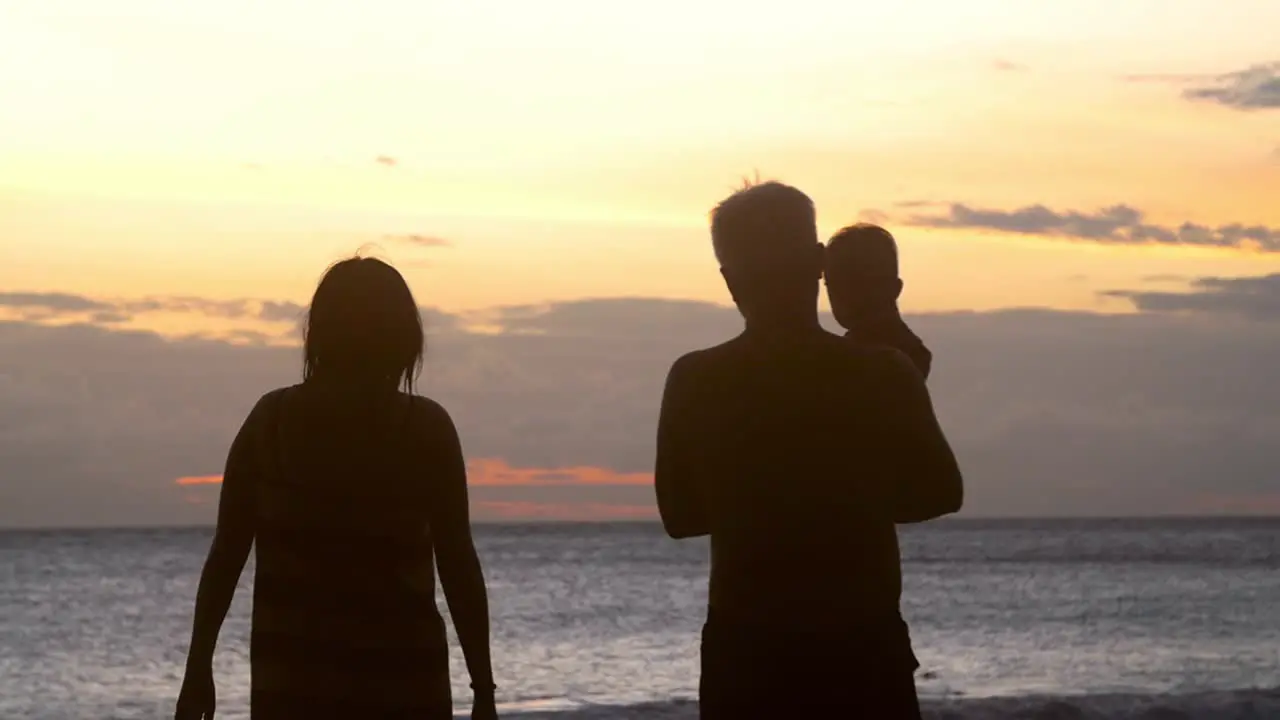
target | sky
x=1084, y=194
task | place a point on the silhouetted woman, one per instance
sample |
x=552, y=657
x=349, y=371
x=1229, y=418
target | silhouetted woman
x=352, y=488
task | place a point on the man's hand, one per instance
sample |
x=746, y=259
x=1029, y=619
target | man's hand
x=484, y=707
x=197, y=699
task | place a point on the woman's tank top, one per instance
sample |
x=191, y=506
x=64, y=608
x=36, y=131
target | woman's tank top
x=344, y=613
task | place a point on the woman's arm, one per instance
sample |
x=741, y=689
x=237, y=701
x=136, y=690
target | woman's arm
x=232, y=540
x=460, y=575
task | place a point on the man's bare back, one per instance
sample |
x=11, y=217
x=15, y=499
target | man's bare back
x=799, y=474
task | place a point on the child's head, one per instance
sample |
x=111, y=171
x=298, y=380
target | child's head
x=862, y=273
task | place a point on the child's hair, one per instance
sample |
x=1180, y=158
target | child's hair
x=865, y=244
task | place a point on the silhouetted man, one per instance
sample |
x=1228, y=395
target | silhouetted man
x=863, y=285
x=797, y=452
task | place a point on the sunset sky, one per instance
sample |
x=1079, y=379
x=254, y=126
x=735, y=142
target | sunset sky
x=189, y=168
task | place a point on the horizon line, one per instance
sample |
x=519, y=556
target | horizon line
x=646, y=521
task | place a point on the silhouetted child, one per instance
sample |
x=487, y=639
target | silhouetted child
x=863, y=287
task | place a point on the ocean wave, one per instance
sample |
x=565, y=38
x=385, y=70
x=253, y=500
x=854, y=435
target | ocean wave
x=1254, y=704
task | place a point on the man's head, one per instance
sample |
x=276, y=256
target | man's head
x=862, y=274
x=766, y=240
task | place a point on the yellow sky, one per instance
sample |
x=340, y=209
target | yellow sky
x=572, y=148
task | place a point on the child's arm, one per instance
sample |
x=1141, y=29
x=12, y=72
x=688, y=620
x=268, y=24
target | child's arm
x=899, y=337
x=913, y=347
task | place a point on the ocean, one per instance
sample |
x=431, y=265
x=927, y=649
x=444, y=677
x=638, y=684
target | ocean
x=1155, y=619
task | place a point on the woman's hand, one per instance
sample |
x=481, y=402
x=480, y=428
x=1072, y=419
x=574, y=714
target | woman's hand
x=197, y=699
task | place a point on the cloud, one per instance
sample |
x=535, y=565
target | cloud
x=386, y=161
x=277, y=311
x=1115, y=225
x=606, y=317
x=1050, y=412
x=425, y=241
x=51, y=301
x=104, y=311
x=110, y=317
x=1253, y=298
x=1254, y=88
x=1007, y=65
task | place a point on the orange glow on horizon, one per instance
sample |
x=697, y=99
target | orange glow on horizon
x=199, y=480
x=525, y=510
x=495, y=472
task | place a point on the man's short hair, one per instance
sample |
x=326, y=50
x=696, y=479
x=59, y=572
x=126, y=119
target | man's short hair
x=866, y=244
x=761, y=224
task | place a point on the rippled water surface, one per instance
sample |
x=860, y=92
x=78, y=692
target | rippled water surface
x=603, y=619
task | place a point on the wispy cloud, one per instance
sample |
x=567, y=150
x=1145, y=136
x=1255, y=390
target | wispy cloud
x=386, y=161
x=280, y=311
x=425, y=241
x=1118, y=225
x=53, y=301
x=1254, y=88
x=107, y=311
x=1004, y=65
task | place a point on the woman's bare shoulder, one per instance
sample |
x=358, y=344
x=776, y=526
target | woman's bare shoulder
x=268, y=404
x=428, y=411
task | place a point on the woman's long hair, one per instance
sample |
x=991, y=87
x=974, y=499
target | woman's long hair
x=363, y=326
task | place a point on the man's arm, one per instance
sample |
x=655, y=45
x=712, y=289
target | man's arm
x=461, y=577
x=232, y=539
x=680, y=497
x=929, y=483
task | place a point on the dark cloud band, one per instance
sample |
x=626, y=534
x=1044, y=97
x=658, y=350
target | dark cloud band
x=1050, y=412
x=1252, y=298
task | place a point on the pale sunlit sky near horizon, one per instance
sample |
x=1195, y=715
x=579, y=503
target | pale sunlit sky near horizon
x=229, y=149
x=511, y=153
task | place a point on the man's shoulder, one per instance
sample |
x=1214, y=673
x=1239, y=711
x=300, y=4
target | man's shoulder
x=704, y=359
